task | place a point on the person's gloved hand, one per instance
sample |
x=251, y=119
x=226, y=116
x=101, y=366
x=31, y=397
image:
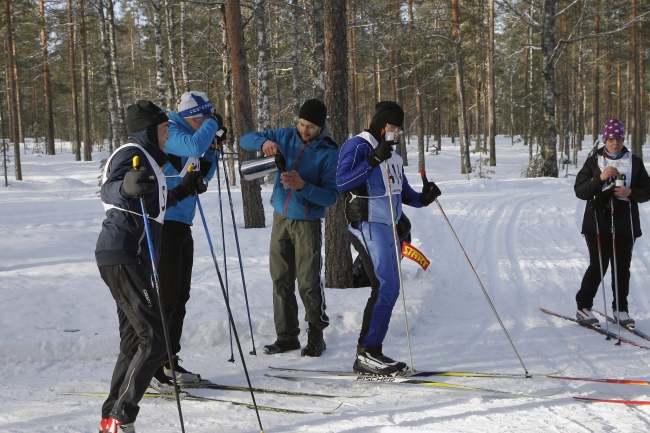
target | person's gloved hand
x=382, y=152
x=191, y=184
x=430, y=191
x=137, y=182
x=602, y=198
x=218, y=118
x=221, y=134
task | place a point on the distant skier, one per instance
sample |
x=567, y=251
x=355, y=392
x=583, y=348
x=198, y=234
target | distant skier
x=122, y=255
x=596, y=183
x=362, y=176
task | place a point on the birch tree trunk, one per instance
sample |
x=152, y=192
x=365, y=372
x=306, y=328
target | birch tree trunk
x=76, y=145
x=263, y=109
x=11, y=88
x=295, y=32
x=549, y=135
x=227, y=97
x=338, y=258
x=171, y=46
x=465, y=167
x=85, y=103
x=115, y=69
x=18, y=93
x=184, y=65
x=638, y=135
x=113, y=134
x=251, y=190
x=160, y=65
x=492, y=120
x=49, y=115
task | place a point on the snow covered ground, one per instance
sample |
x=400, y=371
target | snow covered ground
x=59, y=327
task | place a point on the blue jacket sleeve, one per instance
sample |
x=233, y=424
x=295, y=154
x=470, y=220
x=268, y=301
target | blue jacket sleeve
x=326, y=194
x=183, y=143
x=253, y=141
x=353, y=170
x=409, y=196
x=209, y=158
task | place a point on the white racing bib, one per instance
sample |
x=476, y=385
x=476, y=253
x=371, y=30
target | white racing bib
x=162, y=184
x=624, y=167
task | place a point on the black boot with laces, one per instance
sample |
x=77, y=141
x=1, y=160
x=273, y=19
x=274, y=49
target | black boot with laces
x=315, y=343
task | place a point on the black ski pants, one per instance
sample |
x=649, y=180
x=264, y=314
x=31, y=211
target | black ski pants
x=142, y=339
x=175, y=271
x=591, y=279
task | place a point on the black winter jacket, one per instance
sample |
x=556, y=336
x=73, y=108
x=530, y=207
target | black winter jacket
x=588, y=187
x=122, y=239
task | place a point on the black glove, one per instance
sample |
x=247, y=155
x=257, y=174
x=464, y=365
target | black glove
x=137, y=182
x=381, y=153
x=221, y=134
x=191, y=184
x=218, y=118
x=430, y=191
x=602, y=198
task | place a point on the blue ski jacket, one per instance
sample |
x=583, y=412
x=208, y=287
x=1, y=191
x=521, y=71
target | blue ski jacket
x=316, y=164
x=184, y=143
x=366, y=187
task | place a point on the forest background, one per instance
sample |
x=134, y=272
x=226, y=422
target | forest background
x=543, y=72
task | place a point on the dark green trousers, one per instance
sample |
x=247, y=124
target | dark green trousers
x=295, y=254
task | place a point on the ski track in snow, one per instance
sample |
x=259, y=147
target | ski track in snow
x=521, y=235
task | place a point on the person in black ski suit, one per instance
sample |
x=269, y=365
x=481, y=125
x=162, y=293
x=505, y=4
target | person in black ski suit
x=596, y=183
x=124, y=262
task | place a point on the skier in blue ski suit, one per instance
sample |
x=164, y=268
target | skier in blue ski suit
x=362, y=176
x=192, y=132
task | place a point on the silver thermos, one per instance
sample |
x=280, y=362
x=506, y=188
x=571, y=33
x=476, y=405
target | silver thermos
x=260, y=167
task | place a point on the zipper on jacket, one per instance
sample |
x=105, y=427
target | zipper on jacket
x=286, y=203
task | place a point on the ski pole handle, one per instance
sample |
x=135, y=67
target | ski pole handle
x=136, y=161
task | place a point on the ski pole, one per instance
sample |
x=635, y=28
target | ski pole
x=223, y=242
x=241, y=267
x=602, y=276
x=230, y=318
x=614, y=269
x=156, y=280
x=399, y=263
x=483, y=289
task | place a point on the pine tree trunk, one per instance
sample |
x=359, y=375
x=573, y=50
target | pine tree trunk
x=549, y=136
x=11, y=88
x=295, y=44
x=595, y=126
x=465, y=167
x=76, y=145
x=47, y=85
x=638, y=135
x=338, y=259
x=416, y=88
x=354, y=83
x=251, y=190
x=492, y=120
x=85, y=103
x=318, y=53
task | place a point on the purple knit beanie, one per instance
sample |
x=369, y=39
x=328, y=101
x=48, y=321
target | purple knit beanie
x=613, y=129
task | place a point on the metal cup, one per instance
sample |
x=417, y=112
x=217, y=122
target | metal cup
x=260, y=167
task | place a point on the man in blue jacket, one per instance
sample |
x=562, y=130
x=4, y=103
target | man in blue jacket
x=300, y=197
x=192, y=131
x=123, y=259
x=362, y=176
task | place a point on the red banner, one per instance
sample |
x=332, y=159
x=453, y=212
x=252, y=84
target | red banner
x=414, y=254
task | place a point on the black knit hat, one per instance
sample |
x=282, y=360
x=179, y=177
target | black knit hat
x=388, y=112
x=142, y=115
x=314, y=111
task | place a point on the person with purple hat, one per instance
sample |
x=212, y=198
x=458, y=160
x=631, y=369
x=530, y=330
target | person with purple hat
x=611, y=178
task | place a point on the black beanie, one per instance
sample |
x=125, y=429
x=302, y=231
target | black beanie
x=142, y=115
x=313, y=111
x=388, y=112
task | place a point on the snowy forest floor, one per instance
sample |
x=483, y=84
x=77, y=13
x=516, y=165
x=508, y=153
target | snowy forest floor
x=523, y=236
